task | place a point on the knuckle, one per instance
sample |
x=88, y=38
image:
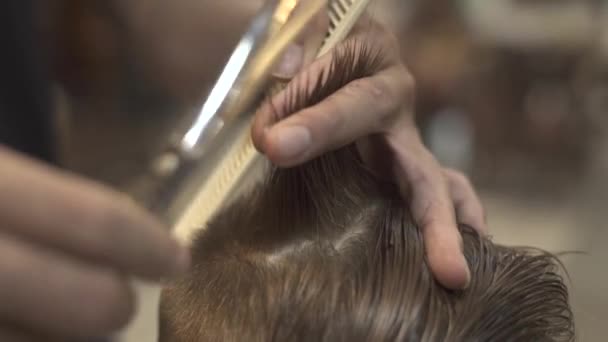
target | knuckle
x=379, y=86
x=419, y=176
x=430, y=163
x=460, y=179
x=334, y=116
x=382, y=92
x=430, y=212
x=424, y=180
x=380, y=96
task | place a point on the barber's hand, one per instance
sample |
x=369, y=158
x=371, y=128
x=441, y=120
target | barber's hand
x=380, y=107
x=68, y=247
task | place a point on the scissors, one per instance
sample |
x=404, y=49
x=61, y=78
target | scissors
x=188, y=161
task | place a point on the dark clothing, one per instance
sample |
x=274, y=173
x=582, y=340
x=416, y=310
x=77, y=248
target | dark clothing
x=25, y=115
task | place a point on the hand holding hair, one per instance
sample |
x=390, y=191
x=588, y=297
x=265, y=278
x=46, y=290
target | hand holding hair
x=373, y=111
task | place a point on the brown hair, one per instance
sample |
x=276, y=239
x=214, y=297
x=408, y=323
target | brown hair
x=328, y=252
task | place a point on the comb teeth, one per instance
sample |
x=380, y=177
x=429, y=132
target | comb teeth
x=221, y=184
x=237, y=164
x=343, y=14
x=337, y=10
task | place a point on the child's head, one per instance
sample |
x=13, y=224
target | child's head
x=327, y=251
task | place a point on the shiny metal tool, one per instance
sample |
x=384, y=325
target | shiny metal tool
x=240, y=161
x=196, y=158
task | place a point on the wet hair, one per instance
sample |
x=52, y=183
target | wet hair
x=328, y=251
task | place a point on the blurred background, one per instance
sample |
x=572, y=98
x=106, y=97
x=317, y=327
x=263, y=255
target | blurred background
x=512, y=92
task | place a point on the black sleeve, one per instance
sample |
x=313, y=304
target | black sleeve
x=25, y=114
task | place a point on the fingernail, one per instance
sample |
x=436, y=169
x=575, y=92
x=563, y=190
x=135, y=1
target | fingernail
x=290, y=62
x=293, y=141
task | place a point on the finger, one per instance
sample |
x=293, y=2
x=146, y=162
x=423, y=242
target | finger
x=273, y=110
x=85, y=219
x=10, y=334
x=376, y=97
x=360, y=108
x=304, y=49
x=420, y=178
x=54, y=294
x=469, y=209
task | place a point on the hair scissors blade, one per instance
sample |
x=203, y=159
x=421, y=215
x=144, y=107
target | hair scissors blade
x=195, y=156
x=209, y=120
